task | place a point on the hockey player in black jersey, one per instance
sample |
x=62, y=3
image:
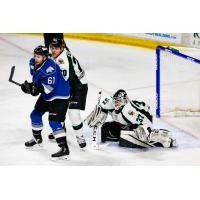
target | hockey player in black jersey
x=72, y=71
x=132, y=124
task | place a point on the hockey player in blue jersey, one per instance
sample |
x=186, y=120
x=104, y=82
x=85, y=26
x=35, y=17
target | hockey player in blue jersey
x=54, y=91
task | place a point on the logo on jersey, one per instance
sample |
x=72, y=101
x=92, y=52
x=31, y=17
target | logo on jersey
x=50, y=69
x=130, y=112
x=61, y=61
x=32, y=67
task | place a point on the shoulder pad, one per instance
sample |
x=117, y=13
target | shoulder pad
x=32, y=62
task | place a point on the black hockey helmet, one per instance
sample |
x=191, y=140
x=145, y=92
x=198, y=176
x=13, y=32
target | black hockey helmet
x=57, y=42
x=120, y=99
x=41, y=50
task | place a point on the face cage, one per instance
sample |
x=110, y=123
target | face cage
x=123, y=102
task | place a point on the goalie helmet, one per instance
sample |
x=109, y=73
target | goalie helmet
x=41, y=50
x=120, y=99
x=57, y=42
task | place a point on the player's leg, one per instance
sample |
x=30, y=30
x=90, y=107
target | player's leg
x=110, y=131
x=77, y=125
x=41, y=107
x=51, y=136
x=57, y=112
x=77, y=103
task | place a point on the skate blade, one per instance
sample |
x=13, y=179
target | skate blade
x=100, y=147
x=36, y=147
x=83, y=148
x=60, y=158
x=52, y=140
x=174, y=144
x=96, y=147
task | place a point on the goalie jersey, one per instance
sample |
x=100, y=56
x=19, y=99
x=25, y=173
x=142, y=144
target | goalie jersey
x=50, y=76
x=132, y=115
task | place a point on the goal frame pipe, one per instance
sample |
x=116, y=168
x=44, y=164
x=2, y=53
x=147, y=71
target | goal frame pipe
x=174, y=52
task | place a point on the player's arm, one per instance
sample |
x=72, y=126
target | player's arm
x=31, y=87
x=79, y=72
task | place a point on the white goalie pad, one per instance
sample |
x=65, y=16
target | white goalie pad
x=163, y=137
x=96, y=117
x=143, y=139
x=130, y=139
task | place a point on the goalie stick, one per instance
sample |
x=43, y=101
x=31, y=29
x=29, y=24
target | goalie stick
x=94, y=134
x=11, y=76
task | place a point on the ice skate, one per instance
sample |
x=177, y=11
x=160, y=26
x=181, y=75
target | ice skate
x=62, y=154
x=34, y=144
x=81, y=141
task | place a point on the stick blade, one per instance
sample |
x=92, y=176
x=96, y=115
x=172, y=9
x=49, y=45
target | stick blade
x=11, y=73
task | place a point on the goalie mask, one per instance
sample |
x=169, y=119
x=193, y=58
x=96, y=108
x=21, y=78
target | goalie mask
x=120, y=99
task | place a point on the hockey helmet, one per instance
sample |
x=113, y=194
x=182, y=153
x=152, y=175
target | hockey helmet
x=120, y=99
x=41, y=50
x=57, y=42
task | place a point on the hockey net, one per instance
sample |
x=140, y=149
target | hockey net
x=178, y=81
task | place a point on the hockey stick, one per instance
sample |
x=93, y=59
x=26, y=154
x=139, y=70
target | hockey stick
x=94, y=134
x=11, y=76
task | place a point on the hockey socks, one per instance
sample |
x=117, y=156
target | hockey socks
x=79, y=136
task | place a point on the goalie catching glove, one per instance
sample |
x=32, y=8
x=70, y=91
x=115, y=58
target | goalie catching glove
x=96, y=117
x=32, y=88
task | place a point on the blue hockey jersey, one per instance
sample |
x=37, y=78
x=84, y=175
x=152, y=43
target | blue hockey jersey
x=49, y=75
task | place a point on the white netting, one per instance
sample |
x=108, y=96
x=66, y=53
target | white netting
x=179, y=84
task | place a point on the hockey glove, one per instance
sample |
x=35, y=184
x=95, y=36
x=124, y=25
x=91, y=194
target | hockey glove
x=36, y=89
x=32, y=88
x=26, y=87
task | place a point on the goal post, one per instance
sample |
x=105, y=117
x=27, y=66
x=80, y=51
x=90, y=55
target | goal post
x=177, y=75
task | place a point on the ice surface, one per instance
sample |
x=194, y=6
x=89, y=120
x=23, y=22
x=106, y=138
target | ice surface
x=108, y=67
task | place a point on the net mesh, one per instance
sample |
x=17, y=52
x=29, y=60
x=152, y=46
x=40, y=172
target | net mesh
x=179, y=84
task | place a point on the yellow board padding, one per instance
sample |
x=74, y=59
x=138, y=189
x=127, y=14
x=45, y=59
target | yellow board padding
x=116, y=39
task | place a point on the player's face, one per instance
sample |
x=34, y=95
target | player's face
x=56, y=51
x=117, y=103
x=39, y=59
